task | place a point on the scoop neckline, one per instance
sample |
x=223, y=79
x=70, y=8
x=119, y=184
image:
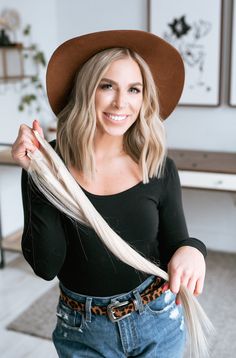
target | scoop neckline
x=123, y=192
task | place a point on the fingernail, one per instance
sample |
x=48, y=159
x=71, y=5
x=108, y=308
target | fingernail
x=165, y=287
x=177, y=302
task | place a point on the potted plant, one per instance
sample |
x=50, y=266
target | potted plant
x=34, y=98
x=34, y=95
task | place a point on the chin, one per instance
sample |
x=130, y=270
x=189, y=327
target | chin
x=116, y=132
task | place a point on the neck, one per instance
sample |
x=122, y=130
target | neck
x=108, y=147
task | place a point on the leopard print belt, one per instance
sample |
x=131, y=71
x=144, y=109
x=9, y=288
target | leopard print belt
x=117, y=310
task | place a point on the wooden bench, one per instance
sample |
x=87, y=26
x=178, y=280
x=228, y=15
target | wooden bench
x=205, y=170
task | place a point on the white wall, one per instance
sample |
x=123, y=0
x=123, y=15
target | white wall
x=80, y=17
x=212, y=129
x=211, y=218
x=210, y=215
x=42, y=17
x=208, y=128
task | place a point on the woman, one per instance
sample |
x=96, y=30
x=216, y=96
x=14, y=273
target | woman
x=103, y=88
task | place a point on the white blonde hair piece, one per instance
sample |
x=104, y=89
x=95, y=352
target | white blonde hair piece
x=53, y=179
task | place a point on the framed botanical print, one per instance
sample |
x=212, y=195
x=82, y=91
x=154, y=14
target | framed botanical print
x=194, y=29
x=232, y=79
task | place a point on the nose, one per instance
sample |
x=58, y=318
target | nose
x=120, y=100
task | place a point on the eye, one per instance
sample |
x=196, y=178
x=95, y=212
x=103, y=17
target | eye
x=134, y=90
x=105, y=86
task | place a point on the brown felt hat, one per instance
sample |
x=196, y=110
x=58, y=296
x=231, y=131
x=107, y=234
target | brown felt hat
x=163, y=59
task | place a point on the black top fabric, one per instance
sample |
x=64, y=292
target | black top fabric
x=147, y=216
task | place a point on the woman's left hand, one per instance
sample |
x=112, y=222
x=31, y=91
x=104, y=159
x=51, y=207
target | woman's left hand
x=187, y=267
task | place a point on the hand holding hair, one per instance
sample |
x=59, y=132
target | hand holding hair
x=26, y=142
x=187, y=267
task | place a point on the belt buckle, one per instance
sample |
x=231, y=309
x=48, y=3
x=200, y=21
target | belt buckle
x=111, y=313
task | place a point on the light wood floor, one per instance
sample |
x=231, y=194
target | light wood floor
x=19, y=287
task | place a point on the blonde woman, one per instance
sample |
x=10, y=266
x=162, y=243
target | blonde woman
x=111, y=92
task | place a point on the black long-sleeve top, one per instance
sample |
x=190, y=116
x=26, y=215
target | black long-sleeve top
x=147, y=216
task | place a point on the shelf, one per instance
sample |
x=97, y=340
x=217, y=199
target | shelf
x=205, y=169
x=208, y=181
x=204, y=161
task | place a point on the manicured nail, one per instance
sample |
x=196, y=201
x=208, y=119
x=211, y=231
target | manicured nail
x=165, y=287
x=36, y=121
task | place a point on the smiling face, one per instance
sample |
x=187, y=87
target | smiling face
x=119, y=97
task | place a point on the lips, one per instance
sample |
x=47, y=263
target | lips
x=116, y=117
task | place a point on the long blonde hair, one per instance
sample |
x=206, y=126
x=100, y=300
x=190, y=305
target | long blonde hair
x=55, y=181
x=144, y=142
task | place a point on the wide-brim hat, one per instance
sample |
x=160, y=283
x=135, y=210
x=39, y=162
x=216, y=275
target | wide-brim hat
x=163, y=59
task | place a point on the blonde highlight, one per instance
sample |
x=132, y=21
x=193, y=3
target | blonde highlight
x=57, y=184
x=144, y=142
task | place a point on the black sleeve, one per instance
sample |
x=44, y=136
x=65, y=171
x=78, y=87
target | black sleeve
x=173, y=231
x=43, y=240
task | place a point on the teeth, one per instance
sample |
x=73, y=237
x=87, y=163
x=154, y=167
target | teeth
x=116, y=118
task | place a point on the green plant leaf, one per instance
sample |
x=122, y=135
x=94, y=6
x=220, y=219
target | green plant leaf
x=34, y=79
x=39, y=58
x=27, y=30
x=28, y=98
x=34, y=84
x=33, y=47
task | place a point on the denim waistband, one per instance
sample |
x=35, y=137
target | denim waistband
x=104, y=301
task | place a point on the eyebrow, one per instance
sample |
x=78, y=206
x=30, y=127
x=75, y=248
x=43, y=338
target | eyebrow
x=115, y=83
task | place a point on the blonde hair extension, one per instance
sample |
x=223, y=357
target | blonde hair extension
x=55, y=181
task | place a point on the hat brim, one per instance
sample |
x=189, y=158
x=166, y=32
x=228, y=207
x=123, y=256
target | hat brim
x=163, y=59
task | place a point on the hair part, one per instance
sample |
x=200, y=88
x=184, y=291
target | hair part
x=144, y=141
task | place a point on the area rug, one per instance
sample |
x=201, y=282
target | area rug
x=40, y=318
x=218, y=300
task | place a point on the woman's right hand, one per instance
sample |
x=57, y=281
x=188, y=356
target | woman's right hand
x=25, y=141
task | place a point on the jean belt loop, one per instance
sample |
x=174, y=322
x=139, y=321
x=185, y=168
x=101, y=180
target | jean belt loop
x=88, y=304
x=138, y=302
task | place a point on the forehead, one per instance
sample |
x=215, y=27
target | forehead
x=125, y=68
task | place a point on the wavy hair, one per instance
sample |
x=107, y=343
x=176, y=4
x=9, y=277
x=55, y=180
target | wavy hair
x=144, y=141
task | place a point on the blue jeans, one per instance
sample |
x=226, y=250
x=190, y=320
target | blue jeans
x=155, y=330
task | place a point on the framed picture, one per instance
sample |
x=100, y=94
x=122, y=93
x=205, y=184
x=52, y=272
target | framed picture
x=232, y=80
x=194, y=29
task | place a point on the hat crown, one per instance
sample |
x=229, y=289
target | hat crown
x=164, y=61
